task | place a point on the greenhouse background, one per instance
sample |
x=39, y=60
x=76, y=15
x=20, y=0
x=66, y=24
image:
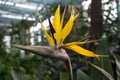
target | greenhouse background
x=20, y=25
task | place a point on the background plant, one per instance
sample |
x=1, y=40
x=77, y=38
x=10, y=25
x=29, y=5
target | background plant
x=19, y=65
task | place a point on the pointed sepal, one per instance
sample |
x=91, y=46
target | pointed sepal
x=45, y=51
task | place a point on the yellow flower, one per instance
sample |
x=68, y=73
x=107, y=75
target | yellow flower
x=59, y=34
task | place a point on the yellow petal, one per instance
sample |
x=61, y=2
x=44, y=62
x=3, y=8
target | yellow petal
x=82, y=51
x=56, y=24
x=80, y=42
x=62, y=20
x=68, y=27
x=49, y=38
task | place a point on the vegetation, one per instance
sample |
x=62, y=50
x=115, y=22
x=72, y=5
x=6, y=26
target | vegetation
x=93, y=24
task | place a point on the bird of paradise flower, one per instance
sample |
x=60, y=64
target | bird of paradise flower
x=58, y=35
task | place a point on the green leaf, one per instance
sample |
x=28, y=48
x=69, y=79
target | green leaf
x=47, y=77
x=117, y=59
x=106, y=74
x=14, y=76
x=103, y=62
x=82, y=76
x=64, y=76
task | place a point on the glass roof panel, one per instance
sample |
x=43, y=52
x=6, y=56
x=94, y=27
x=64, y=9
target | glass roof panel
x=15, y=10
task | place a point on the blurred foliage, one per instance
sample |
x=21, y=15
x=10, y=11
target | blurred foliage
x=16, y=64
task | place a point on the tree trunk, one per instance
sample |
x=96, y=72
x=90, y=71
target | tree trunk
x=96, y=28
x=96, y=19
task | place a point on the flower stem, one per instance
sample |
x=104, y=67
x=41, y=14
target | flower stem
x=69, y=68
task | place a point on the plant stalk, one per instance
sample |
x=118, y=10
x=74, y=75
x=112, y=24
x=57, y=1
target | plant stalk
x=69, y=68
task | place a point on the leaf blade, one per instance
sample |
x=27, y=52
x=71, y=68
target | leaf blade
x=106, y=74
